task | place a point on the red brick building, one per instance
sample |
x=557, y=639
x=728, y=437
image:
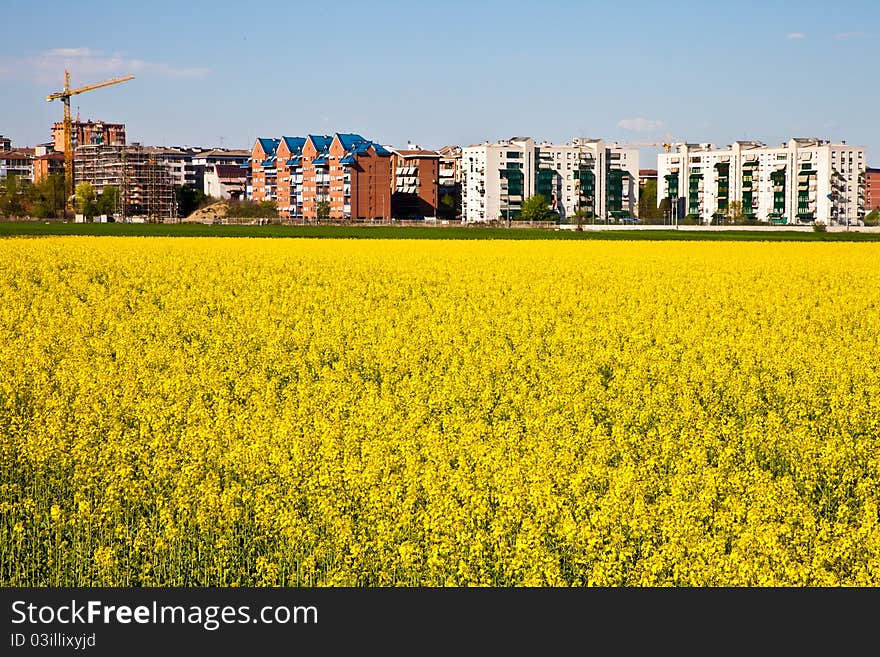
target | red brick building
x=89, y=133
x=350, y=173
x=872, y=189
x=415, y=183
x=48, y=164
x=263, y=170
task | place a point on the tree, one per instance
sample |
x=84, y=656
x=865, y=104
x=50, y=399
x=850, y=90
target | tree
x=85, y=200
x=189, y=199
x=108, y=201
x=873, y=217
x=536, y=208
x=252, y=209
x=447, y=207
x=323, y=210
x=649, y=213
x=580, y=217
x=665, y=209
x=734, y=213
x=45, y=199
x=12, y=198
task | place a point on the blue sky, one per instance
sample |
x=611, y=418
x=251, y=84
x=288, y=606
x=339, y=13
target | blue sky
x=223, y=73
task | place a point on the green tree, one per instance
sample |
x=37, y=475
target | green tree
x=649, y=213
x=108, y=201
x=45, y=199
x=536, y=208
x=252, y=210
x=55, y=194
x=734, y=213
x=189, y=199
x=323, y=211
x=665, y=209
x=12, y=201
x=873, y=217
x=85, y=200
x=580, y=218
x=447, y=207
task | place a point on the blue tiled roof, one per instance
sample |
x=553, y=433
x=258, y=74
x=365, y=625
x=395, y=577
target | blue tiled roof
x=294, y=161
x=268, y=163
x=295, y=144
x=319, y=160
x=269, y=144
x=348, y=159
x=349, y=139
x=321, y=142
x=381, y=150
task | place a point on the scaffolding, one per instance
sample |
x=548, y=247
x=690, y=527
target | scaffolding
x=145, y=186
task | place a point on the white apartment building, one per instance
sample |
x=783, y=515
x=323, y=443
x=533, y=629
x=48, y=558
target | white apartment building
x=801, y=181
x=585, y=174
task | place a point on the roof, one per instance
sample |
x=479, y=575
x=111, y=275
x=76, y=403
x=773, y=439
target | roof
x=229, y=171
x=294, y=144
x=350, y=139
x=417, y=152
x=321, y=142
x=268, y=144
x=226, y=152
x=19, y=153
x=165, y=151
x=647, y=172
x=352, y=143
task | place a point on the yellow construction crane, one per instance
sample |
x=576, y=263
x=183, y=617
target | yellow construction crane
x=64, y=96
x=666, y=144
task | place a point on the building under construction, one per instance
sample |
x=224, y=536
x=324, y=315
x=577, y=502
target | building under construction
x=84, y=133
x=146, y=192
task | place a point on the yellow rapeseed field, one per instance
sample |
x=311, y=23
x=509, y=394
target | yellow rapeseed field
x=397, y=413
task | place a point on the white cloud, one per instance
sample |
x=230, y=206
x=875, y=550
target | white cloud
x=843, y=36
x=86, y=64
x=795, y=36
x=640, y=124
x=72, y=52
